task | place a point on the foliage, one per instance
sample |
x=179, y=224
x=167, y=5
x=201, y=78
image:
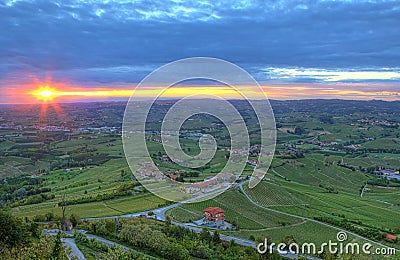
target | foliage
x=19, y=240
x=371, y=233
x=57, y=248
x=13, y=231
x=173, y=242
x=38, y=249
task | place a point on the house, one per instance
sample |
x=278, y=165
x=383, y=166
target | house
x=35, y=175
x=174, y=176
x=202, y=186
x=214, y=216
x=391, y=237
x=152, y=172
x=68, y=225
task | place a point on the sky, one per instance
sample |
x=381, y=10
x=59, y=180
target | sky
x=294, y=49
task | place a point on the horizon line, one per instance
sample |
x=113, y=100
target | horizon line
x=172, y=99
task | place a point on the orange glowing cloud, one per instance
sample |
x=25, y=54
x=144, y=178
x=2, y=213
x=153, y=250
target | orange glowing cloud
x=49, y=92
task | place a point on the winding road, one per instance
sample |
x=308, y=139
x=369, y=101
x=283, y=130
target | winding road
x=75, y=252
x=69, y=243
x=159, y=214
x=309, y=219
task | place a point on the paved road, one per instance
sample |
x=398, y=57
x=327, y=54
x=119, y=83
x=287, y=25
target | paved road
x=68, y=243
x=75, y=252
x=110, y=243
x=159, y=214
x=102, y=240
x=309, y=219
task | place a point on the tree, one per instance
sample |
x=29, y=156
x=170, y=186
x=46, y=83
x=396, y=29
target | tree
x=63, y=209
x=21, y=193
x=299, y=130
x=34, y=229
x=216, y=238
x=55, y=254
x=205, y=235
x=49, y=216
x=74, y=220
x=168, y=220
x=180, y=179
x=12, y=231
x=37, y=249
x=177, y=251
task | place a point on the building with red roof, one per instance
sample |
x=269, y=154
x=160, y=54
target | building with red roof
x=214, y=216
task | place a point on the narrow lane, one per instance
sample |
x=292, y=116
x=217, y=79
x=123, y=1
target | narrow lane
x=75, y=252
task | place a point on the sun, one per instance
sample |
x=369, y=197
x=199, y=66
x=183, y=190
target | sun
x=45, y=93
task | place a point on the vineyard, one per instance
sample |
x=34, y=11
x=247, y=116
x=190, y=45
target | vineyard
x=323, y=189
x=318, y=170
x=271, y=194
x=237, y=208
x=113, y=207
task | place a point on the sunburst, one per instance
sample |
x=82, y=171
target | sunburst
x=45, y=93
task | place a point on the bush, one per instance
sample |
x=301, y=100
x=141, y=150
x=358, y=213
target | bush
x=12, y=231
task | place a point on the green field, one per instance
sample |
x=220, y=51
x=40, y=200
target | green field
x=253, y=220
x=95, y=209
x=327, y=165
x=237, y=206
x=303, y=232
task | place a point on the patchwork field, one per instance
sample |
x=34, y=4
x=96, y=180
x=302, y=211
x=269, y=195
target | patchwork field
x=95, y=209
x=237, y=208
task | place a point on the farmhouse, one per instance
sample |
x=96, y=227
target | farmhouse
x=201, y=187
x=149, y=171
x=214, y=216
x=68, y=225
x=391, y=237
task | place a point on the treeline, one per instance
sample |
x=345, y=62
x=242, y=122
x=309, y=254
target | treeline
x=104, y=251
x=82, y=160
x=296, y=155
x=17, y=189
x=172, y=242
x=379, y=150
x=23, y=192
x=35, y=199
x=368, y=232
x=123, y=190
x=380, y=180
x=23, y=240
